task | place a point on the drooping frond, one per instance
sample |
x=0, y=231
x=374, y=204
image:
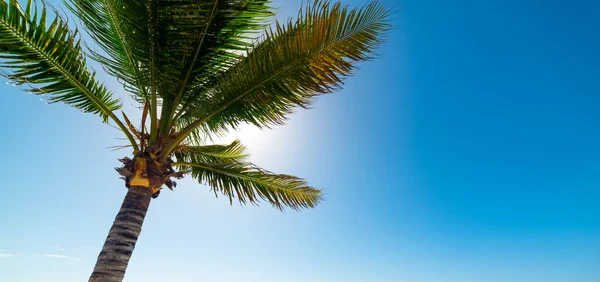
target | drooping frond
x=294, y=63
x=249, y=183
x=119, y=27
x=49, y=58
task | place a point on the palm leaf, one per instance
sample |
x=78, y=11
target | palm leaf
x=200, y=38
x=294, y=63
x=119, y=27
x=50, y=57
x=214, y=153
x=249, y=183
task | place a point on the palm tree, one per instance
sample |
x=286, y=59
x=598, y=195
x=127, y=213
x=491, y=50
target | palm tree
x=197, y=68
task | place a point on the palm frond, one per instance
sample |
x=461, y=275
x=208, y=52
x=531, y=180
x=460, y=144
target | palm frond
x=250, y=184
x=294, y=63
x=200, y=38
x=214, y=153
x=119, y=27
x=50, y=57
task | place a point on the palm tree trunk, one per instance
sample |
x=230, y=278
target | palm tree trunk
x=123, y=235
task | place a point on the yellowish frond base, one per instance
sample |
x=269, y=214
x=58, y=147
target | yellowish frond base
x=140, y=178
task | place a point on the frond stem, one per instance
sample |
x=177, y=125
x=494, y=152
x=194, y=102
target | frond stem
x=153, y=103
x=179, y=96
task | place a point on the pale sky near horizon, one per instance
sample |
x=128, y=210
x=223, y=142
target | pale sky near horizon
x=467, y=151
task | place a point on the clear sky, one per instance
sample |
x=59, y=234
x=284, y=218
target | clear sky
x=468, y=151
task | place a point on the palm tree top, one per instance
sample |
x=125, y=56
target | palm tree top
x=196, y=68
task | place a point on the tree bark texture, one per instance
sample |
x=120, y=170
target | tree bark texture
x=118, y=247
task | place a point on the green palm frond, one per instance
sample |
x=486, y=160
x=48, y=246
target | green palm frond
x=236, y=25
x=249, y=183
x=199, y=39
x=214, y=153
x=49, y=56
x=119, y=27
x=294, y=63
x=49, y=59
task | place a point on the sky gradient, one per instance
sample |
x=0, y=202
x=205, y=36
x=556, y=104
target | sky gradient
x=467, y=151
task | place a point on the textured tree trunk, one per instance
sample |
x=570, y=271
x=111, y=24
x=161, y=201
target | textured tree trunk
x=123, y=235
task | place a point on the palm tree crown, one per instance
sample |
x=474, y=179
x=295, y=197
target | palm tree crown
x=205, y=65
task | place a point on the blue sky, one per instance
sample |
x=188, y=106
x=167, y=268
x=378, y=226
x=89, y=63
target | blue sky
x=466, y=152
